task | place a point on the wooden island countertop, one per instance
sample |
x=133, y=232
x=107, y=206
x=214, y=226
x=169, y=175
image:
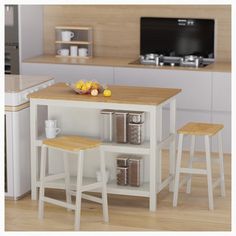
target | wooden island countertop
x=120, y=94
x=122, y=62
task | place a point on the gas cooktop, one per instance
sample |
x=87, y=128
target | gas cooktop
x=186, y=61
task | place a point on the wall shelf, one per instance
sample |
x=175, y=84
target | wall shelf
x=83, y=38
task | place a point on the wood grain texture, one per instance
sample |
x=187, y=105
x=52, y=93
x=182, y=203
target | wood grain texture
x=116, y=28
x=120, y=94
x=129, y=213
x=17, y=108
x=72, y=143
x=194, y=128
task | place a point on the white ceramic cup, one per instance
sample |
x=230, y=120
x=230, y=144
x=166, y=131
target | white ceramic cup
x=83, y=52
x=52, y=132
x=63, y=52
x=50, y=123
x=74, y=51
x=67, y=35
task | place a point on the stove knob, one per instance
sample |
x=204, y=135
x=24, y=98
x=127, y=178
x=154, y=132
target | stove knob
x=172, y=64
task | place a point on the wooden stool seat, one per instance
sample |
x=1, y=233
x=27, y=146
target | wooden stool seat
x=194, y=128
x=207, y=131
x=72, y=143
x=76, y=145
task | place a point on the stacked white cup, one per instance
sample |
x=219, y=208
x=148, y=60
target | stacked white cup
x=51, y=129
x=73, y=51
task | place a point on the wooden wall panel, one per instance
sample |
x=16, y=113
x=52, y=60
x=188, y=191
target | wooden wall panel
x=117, y=27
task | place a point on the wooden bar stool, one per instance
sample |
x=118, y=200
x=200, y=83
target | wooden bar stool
x=206, y=130
x=76, y=145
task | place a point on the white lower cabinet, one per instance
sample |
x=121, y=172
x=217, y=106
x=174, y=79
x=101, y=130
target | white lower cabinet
x=196, y=86
x=221, y=107
x=225, y=119
x=70, y=73
x=221, y=91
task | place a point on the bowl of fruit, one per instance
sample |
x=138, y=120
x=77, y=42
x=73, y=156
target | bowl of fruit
x=87, y=87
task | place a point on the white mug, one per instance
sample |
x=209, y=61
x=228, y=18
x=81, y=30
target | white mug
x=83, y=52
x=67, y=35
x=63, y=52
x=50, y=123
x=74, y=51
x=52, y=132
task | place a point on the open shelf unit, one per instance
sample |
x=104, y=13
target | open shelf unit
x=83, y=38
x=112, y=187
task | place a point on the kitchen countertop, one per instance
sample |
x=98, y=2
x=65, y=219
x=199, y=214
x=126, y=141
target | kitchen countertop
x=122, y=62
x=120, y=94
x=17, y=83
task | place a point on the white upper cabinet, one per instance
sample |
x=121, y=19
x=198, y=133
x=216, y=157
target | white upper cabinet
x=221, y=91
x=196, y=86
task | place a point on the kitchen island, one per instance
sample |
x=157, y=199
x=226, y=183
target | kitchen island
x=126, y=98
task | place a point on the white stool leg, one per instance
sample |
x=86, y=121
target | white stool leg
x=209, y=176
x=67, y=178
x=192, y=146
x=221, y=161
x=177, y=172
x=42, y=175
x=78, y=189
x=104, y=186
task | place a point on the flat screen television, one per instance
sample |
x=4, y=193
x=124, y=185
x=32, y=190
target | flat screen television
x=177, y=36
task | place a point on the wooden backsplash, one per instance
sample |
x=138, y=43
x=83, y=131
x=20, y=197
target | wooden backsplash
x=117, y=27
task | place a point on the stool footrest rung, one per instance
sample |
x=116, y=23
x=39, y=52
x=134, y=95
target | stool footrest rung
x=91, y=198
x=193, y=171
x=91, y=186
x=58, y=203
x=53, y=177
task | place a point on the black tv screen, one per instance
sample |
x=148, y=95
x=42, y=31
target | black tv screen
x=177, y=36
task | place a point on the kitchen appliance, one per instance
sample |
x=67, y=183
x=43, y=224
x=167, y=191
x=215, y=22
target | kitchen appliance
x=107, y=125
x=186, y=61
x=135, y=165
x=121, y=122
x=11, y=40
x=17, y=131
x=176, y=42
